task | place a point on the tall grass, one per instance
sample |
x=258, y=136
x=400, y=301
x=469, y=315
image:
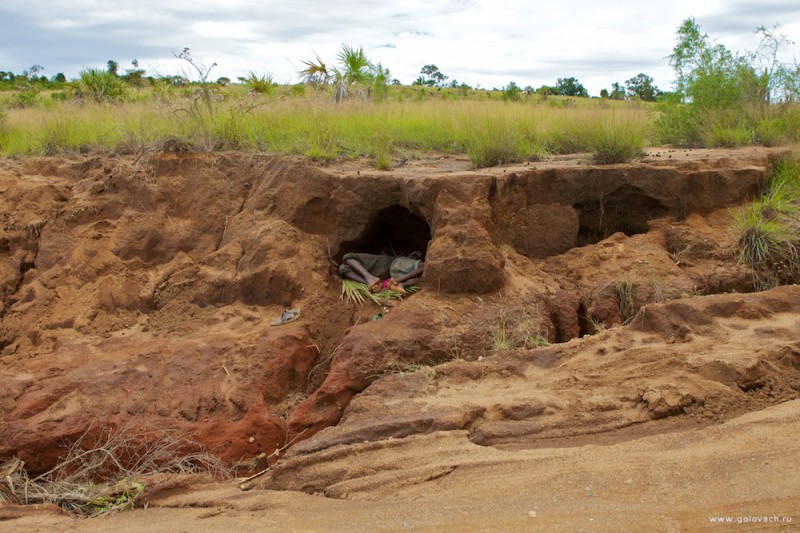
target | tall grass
x=490, y=131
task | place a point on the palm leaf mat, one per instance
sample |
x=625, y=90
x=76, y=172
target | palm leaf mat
x=355, y=292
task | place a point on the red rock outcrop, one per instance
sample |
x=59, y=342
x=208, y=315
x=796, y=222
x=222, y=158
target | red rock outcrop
x=136, y=288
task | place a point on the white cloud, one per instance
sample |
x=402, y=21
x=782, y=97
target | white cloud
x=486, y=42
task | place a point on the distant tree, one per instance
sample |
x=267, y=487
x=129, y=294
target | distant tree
x=223, y=80
x=134, y=75
x=431, y=76
x=641, y=86
x=617, y=92
x=545, y=90
x=603, y=93
x=570, y=87
x=353, y=73
x=59, y=78
x=112, y=67
x=353, y=66
x=512, y=92
x=354, y=70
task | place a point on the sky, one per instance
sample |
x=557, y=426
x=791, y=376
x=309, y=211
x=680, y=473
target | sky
x=485, y=43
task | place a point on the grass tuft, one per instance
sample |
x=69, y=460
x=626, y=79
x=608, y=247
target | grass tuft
x=769, y=230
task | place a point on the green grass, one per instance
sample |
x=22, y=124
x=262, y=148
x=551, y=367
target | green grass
x=769, y=229
x=486, y=128
x=617, y=138
x=260, y=116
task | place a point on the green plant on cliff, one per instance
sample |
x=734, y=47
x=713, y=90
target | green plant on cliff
x=627, y=306
x=769, y=229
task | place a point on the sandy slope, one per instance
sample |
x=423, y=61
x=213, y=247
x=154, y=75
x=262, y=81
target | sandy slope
x=677, y=481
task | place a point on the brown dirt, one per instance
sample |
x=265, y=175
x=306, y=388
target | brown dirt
x=143, y=289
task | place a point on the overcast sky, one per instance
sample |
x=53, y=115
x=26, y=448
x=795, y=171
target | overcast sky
x=480, y=42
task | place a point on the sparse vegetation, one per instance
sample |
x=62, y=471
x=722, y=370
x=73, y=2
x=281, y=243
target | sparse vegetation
x=107, y=469
x=312, y=124
x=627, y=305
x=769, y=230
x=724, y=98
x=514, y=331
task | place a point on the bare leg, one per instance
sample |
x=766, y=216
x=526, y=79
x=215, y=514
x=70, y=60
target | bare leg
x=368, y=279
x=353, y=276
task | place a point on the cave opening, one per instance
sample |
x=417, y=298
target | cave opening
x=627, y=209
x=393, y=230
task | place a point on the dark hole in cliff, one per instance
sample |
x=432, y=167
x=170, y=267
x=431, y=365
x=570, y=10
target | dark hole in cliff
x=628, y=210
x=584, y=324
x=393, y=231
x=25, y=266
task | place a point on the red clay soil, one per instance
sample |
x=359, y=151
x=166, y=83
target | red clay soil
x=506, y=395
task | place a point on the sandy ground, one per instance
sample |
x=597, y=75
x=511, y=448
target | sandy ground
x=742, y=472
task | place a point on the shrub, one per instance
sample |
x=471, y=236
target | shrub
x=262, y=84
x=99, y=85
x=677, y=123
x=512, y=92
x=25, y=97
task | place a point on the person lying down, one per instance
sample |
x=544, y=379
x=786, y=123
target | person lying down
x=380, y=272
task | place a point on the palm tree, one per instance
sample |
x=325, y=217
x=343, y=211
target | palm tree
x=355, y=67
x=315, y=73
x=353, y=72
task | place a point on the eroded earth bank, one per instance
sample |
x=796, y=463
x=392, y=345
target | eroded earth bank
x=585, y=348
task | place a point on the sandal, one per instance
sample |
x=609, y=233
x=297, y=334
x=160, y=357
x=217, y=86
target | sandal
x=287, y=316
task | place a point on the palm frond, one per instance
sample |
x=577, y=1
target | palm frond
x=354, y=292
